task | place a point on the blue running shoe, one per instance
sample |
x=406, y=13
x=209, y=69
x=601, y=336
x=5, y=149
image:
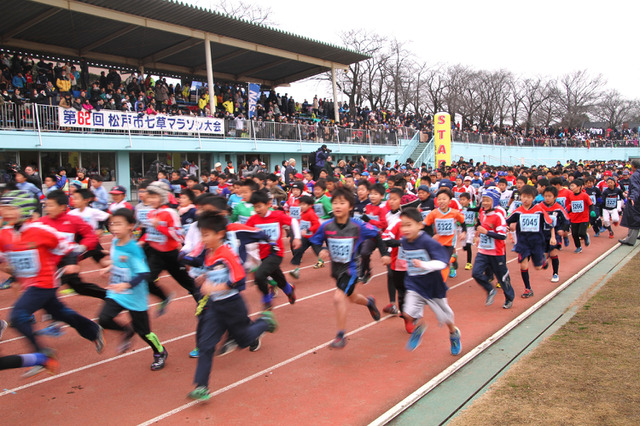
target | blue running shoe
x=566, y=241
x=416, y=337
x=578, y=250
x=194, y=353
x=587, y=241
x=53, y=330
x=7, y=283
x=456, y=346
x=452, y=273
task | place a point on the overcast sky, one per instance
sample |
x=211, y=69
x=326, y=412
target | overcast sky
x=543, y=37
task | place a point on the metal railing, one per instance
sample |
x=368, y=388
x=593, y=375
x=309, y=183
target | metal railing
x=44, y=118
x=428, y=154
x=540, y=141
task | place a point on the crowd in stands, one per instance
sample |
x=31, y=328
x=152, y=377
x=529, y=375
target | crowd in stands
x=25, y=79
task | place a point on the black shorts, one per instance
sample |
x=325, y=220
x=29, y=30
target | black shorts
x=96, y=254
x=347, y=283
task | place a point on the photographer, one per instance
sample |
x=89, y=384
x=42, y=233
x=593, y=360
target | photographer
x=321, y=158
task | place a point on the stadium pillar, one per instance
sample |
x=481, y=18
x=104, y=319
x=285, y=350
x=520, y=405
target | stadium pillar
x=336, y=112
x=207, y=54
x=123, y=170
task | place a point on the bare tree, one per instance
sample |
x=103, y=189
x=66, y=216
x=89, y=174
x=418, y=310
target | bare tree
x=250, y=12
x=515, y=101
x=614, y=109
x=579, y=95
x=537, y=92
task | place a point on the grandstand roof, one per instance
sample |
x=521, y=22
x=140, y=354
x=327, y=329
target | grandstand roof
x=166, y=37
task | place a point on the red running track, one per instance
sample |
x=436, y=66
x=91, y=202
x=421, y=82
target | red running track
x=293, y=379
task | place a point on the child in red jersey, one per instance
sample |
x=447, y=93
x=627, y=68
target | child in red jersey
x=309, y=224
x=375, y=214
x=118, y=195
x=271, y=223
x=163, y=240
x=578, y=203
x=33, y=250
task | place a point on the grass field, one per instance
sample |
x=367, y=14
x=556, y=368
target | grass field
x=586, y=373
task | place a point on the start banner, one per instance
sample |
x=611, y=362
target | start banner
x=120, y=120
x=442, y=139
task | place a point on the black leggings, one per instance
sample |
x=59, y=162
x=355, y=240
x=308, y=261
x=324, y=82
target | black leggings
x=168, y=260
x=270, y=267
x=139, y=324
x=395, y=282
x=579, y=230
x=82, y=288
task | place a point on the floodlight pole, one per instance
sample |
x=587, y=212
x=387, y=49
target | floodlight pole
x=207, y=55
x=336, y=112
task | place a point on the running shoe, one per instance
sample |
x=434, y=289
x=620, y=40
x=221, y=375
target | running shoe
x=256, y=344
x=52, y=330
x=162, y=307
x=508, y=304
x=416, y=337
x=610, y=234
x=456, y=345
x=6, y=284
x=555, y=278
x=51, y=365
x=319, y=264
x=468, y=266
x=295, y=273
x=373, y=309
x=452, y=273
x=596, y=234
x=99, y=341
x=194, y=353
x=159, y=360
x=546, y=265
x=272, y=324
x=366, y=277
x=391, y=309
x=454, y=261
x=3, y=326
x=578, y=250
x=527, y=293
x=228, y=347
x=125, y=344
x=201, y=393
x=587, y=241
x=408, y=325
x=490, y=297
x=292, y=294
x=338, y=342
x=566, y=241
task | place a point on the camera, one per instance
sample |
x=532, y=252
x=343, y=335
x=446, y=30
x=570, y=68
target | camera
x=327, y=150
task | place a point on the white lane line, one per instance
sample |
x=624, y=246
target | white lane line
x=431, y=384
x=259, y=374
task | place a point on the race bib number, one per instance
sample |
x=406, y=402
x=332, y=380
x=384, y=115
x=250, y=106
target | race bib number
x=517, y=203
x=445, y=227
x=357, y=215
x=561, y=201
x=319, y=209
x=271, y=229
x=486, y=242
x=593, y=199
x=142, y=215
x=243, y=219
x=119, y=275
x=304, y=226
x=176, y=189
x=218, y=275
x=186, y=227
x=424, y=213
x=611, y=202
x=214, y=190
x=577, y=206
x=294, y=212
x=373, y=217
x=410, y=255
x=470, y=218
x=341, y=249
x=504, y=202
x=554, y=221
x=155, y=236
x=25, y=264
x=68, y=236
x=529, y=222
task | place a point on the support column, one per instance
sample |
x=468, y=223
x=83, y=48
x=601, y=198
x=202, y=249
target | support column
x=123, y=170
x=336, y=112
x=207, y=55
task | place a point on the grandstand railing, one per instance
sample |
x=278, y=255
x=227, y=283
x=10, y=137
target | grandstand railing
x=44, y=118
x=428, y=154
x=539, y=141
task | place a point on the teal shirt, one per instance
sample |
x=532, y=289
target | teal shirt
x=127, y=261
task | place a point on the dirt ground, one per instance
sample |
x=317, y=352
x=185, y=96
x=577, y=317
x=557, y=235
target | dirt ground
x=585, y=374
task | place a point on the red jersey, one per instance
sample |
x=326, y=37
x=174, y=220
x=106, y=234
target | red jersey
x=563, y=194
x=492, y=221
x=377, y=215
x=455, y=204
x=33, y=252
x=292, y=206
x=223, y=267
x=309, y=223
x=578, y=207
x=71, y=226
x=271, y=225
x=166, y=236
x=457, y=190
x=113, y=207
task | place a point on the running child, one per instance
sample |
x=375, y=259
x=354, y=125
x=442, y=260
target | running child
x=41, y=361
x=527, y=220
x=470, y=213
x=186, y=209
x=271, y=223
x=322, y=206
x=375, y=214
x=578, y=203
x=309, y=224
x=118, y=195
x=128, y=289
x=425, y=258
x=491, y=258
x=222, y=308
x=612, y=197
x=244, y=209
x=560, y=223
x=343, y=236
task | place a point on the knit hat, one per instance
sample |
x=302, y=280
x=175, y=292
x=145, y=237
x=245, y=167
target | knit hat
x=160, y=188
x=21, y=200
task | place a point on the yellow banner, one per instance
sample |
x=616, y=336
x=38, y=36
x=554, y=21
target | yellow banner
x=442, y=139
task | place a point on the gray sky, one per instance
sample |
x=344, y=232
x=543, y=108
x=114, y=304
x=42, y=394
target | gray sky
x=543, y=37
